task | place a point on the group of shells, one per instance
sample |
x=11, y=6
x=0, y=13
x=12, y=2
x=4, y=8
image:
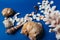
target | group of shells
x=30, y=28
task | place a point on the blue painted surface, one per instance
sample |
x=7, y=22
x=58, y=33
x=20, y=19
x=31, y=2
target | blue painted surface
x=23, y=6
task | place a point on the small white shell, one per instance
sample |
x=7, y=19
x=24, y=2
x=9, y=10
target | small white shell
x=18, y=13
x=51, y=2
x=40, y=8
x=30, y=19
x=5, y=18
x=38, y=3
x=42, y=11
x=43, y=7
x=12, y=20
x=50, y=30
x=15, y=16
x=38, y=14
x=18, y=23
x=32, y=13
x=25, y=20
x=18, y=20
x=37, y=18
x=26, y=15
x=34, y=16
x=22, y=19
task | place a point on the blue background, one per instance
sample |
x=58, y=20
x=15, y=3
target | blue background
x=23, y=6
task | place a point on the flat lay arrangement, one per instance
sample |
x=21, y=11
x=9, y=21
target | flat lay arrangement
x=31, y=24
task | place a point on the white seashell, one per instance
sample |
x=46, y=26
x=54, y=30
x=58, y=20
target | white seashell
x=23, y=23
x=29, y=19
x=15, y=16
x=42, y=11
x=50, y=25
x=38, y=3
x=12, y=20
x=51, y=2
x=47, y=16
x=26, y=15
x=38, y=14
x=18, y=23
x=43, y=7
x=47, y=7
x=25, y=20
x=32, y=13
x=46, y=2
x=37, y=18
x=5, y=18
x=50, y=30
x=18, y=13
x=18, y=20
x=34, y=16
x=22, y=19
x=40, y=8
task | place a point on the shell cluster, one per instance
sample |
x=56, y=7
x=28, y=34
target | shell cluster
x=28, y=18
